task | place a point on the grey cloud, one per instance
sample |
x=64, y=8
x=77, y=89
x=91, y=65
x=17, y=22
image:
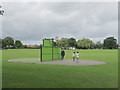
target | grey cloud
x=34, y=21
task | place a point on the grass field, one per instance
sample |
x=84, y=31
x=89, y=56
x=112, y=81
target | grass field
x=21, y=75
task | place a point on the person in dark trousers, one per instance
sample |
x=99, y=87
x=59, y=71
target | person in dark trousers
x=62, y=54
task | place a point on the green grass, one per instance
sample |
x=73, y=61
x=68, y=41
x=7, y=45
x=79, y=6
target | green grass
x=0, y=69
x=21, y=75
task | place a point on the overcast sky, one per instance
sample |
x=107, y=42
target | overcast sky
x=31, y=22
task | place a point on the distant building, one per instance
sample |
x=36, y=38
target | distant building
x=32, y=45
x=118, y=47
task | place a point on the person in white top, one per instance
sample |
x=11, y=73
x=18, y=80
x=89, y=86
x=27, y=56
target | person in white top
x=77, y=56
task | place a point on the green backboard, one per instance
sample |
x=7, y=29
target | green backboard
x=47, y=43
x=46, y=53
x=56, y=53
x=49, y=53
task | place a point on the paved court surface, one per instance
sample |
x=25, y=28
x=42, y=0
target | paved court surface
x=70, y=62
x=59, y=62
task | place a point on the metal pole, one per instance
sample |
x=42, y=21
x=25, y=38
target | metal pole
x=52, y=48
x=41, y=54
x=43, y=42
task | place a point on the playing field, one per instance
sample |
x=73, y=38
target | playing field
x=22, y=75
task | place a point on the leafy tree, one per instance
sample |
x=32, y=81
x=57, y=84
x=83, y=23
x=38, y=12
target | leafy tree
x=110, y=43
x=54, y=43
x=9, y=42
x=63, y=42
x=25, y=46
x=0, y=43
x=40, y=46
x=98, y=45
x=85, y=44
x=18, y=44
x=92, y=45
x=4, y=45
x=71, y=42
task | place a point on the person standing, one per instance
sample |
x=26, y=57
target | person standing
x=77, y=56
x=73, y=56
x=62, y=54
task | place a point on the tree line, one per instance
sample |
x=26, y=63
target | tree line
x=10, y=43
x=108, y=43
